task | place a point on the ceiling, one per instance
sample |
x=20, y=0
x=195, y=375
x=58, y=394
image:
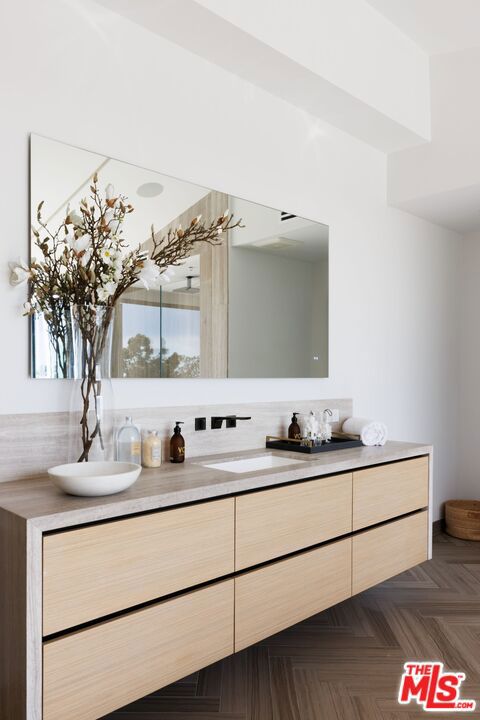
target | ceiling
x=399, y=75
x=275, y=46
x=440, y=180
x=437, y=26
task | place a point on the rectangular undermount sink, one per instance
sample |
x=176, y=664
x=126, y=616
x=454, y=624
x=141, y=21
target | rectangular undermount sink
x=263, y=462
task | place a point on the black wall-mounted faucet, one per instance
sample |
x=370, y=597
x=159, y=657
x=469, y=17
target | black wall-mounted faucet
x=230, y=421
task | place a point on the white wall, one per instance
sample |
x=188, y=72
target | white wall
x=77, y=73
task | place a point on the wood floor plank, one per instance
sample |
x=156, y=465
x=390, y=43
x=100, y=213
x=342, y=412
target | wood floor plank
x=316, y=699
x=284, y=695
x=345, y=663
x=258, y=689
x=233, y=698
x=210, y=681
x=185, y=704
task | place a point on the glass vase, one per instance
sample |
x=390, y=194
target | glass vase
x=91, y=427
x=52, y=342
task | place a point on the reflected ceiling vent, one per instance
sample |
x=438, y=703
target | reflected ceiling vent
x=284, y=216
x=276, y=243
x=150, y=189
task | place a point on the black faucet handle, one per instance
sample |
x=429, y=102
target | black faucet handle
x=230, y=421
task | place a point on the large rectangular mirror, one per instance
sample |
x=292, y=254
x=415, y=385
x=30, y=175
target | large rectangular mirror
x=254, y=306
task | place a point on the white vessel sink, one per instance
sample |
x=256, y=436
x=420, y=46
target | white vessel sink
x=94, y=479
x=263, y=462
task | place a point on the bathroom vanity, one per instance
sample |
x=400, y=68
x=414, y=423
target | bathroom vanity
x=105, y=600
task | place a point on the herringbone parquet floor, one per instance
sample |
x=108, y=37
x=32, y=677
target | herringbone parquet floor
x=346, y=662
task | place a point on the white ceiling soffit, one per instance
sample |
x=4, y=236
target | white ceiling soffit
x=441, y=180
x=205, y=33
x=437, y=26
x=457, y=209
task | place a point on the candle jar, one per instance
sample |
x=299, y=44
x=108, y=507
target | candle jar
x=151, y=449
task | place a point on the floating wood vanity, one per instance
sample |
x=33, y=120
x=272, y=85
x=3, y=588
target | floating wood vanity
x=105, y=600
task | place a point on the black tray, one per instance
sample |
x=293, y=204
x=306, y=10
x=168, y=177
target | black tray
x=334, y=444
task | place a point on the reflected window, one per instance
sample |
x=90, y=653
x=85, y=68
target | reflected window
x=180, y=342
x=141, y=340
x=158, y=340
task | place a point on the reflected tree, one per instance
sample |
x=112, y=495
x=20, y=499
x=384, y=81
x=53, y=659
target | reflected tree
x=176, y=365
x=139, y=359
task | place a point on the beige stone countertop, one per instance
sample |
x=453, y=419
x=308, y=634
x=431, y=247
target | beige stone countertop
x=41, y=504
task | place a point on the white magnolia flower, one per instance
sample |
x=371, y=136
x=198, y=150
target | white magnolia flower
x=19, y=272
x=85, y=259
x=69, y=238
x=112, y=222
x=149, y=275
x=110, y=191
x=110, y=287
x=117, y=262
x=108, y=256
x=74, y=217
x=106, y=291
x=81, y=243
x=117, y=272
x=102, y=295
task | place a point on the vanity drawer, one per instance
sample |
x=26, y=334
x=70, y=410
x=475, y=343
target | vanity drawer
x=274, y=597
x=388, y=550
x=101, y=569
x=386, y=491
x=276, y=522
x=91, y=672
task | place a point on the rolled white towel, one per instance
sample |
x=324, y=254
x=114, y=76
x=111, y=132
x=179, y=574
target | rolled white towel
x=371, y=432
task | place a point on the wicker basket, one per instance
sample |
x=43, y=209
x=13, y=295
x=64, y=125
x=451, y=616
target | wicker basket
x=462, y=519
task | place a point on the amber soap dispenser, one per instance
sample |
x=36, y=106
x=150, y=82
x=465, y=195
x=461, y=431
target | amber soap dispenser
x=177, y=444
x=294, y=432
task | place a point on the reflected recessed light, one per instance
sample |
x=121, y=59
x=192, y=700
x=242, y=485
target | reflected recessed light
x=150, y=189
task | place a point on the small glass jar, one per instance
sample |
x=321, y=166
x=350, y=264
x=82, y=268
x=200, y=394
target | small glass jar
x=151, y=449
x=129, y=443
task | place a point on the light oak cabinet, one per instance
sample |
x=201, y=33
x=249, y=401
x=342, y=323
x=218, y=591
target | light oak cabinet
x=274, y=597
x=271, y=559
x=116, y=609
x=94, y=671
x=387, y=491
x=272, y=523
x=98, y=570
x=388, y=550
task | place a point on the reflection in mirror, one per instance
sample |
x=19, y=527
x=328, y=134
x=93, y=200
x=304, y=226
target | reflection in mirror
x=254, y=306
x=158, y=335
x=278, y=295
